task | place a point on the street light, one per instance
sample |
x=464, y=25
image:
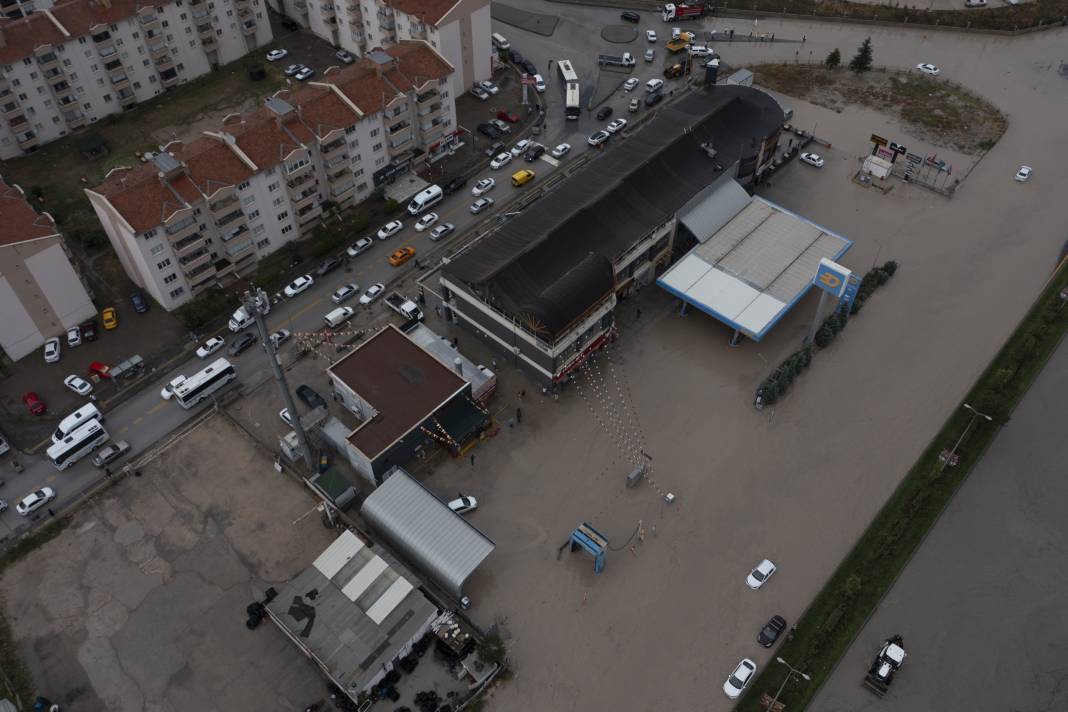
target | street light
x=975, y=414
x=793, y=671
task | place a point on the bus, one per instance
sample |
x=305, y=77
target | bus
x=203, y=383
x=571, y=89
x=80, y=442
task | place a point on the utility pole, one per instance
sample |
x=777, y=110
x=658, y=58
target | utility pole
x=253, y=301
x=975, y=414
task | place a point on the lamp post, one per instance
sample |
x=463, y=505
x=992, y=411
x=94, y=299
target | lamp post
x=793, y=671
x=975, y=414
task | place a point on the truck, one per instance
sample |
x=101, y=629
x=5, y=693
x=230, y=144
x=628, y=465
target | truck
x=677, y=45
x=627, y=60
x=672, y=12
x=241, y=319
x=404, y=306
x=886, y=664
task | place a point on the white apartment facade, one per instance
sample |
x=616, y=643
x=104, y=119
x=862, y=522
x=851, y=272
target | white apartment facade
x=201, y=214
x=459, y=30
x=66, y=67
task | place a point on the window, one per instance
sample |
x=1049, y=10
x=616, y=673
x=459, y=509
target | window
x=248, y=200
x=74, y=76
x=287, y=228
x=361, y=187
x=357, y=173
x=377, y=147
x=183, y=16
x=263, y=243
x=55, y=119
x=66, y=62
x=180, y=65
x=351, y=130
x=178, y=292
x=243, y=185
x=165, y=23
x=137, y=85
x=107, y=98
x=164, y=264
x=170, y=278
x=81, y=40
x=192, y=43
x=258, y=229
x=380, y=161
x=100, y=82
x=278, y=201
x=23, y=97
x=254, y=214
x=272, y=187
x=152, y=79
x=149, y=234
x=136, y=35
x=374, y=132
x=282, y=215
x=87, y=106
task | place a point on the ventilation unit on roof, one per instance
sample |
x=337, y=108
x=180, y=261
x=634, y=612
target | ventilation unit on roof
x=709, y=151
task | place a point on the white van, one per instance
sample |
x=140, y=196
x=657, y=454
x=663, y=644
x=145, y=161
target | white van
x=75, y=420
x=426, y=198
x=338, y=317
x=654, y=85
x=499, y=42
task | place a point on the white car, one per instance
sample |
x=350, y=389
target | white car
x=344, y=57
x=293, y=69
x=630, y=84
x=210, y=346
x=390, y=229
x=286, y=418
x=700, y=50
x=561, y=150
x=650, y=35
x=360, y=246
x=481, y=204
x=634, y=106
x=742, y=675
x=74, y=337
x=760, y=575
x=426, y=221
x=489, y=87
x=276, y=54
x=539, y=83
x=51, y=350
x=501, y=160
x=520, y=148
x=35, y=500
x=616, y=126
x=303, y=74
x=343, y=292
x=928, y=69
x=441, y=231
x=1022, y=175
x=598, y=138
x=78, y=384
x=479, y=93
x=279, y=337
x=463, y=504
x=649, y=55
x=298, y=285
x=373, y=292
x=483, y=186
x=168, y=390
x=812, y=159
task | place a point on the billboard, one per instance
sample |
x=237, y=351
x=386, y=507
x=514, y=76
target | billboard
x=831, y=277
x=850, y=293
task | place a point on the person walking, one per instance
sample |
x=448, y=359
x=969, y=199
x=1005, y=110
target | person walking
x=519, y=415
x=472, y=460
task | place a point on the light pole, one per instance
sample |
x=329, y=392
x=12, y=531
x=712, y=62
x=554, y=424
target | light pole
x=975, y=414
x=793, y=671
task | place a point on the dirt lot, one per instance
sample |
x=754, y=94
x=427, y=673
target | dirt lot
x=139, y=604
x=932, y=110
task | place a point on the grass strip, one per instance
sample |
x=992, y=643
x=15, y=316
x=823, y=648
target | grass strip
x=848, y=599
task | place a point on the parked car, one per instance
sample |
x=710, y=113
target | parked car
x=812, y=159
x=649, y=55
x=454, y=185
x=280, y=337
x=78, y=384
x=561, y=150
x=51, y=350
x=630, y=84
x=735, y=684
x=298, y=285
x=700, y=50
x=241, y=343
x=311, y=399
x=508, y=116
x=604, y=112
x=34, y=404
x=327, y=266
x=513, y=54
x=1024, y=174
x=483, y=186
x=520, y=146
x=929, y=69
x=501, y=125
x=653, y=99
x=675, y=70
x=401, y=255
x=344, y=57
x=344, y=292
x=441, y=231
x=74, y=337
x=489, y=87
x=479, y=93
x=490, y=131
x=373, y=292
x=276, y=54
x=760, y=575
x=304, y=74
x=481, y=204
x=360, y=246
x=286, y=417
x=426, y=221
x=292, y=69
x=140, y=304
x=771, y=631
x=35, y=500
x=650, y=35
x=290, y=24
x=168, y=390
x=494, y=149
x=111, y=452
x=88, y=330
x=598, y=138
x=631, y=17
x=463, y=504
x=390, y=229
x=502, y=160
x=534, y=153
x=633, y=106
x=210, y=346
x=539, y=83
x=110, y=318
x=529, y=67
x=616, y=126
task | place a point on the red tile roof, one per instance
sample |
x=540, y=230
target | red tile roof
x=416, y=63
x=212, y=165
x=76, y=16
x=18, y=220
x=429, y=11
x=141, y=197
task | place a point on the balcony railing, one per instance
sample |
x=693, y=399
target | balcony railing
x=222, y=204
x=248, y=27
x=229, y=218
x=12, y=109
x=185, y=245
x=236, y=232
x=27, y=139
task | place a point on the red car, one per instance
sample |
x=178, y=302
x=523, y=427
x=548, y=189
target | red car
x=96, y=368
x=35, y=404
x=505, y=116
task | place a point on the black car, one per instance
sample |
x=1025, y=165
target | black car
x=771, y=632
x=454, y=185
x=534, y=153
x=604, y=113
x=140, y=304
x=241, y=343
x=653, y=99
x=631, y=17
x=328, y=265
x=311, y=399
x=495, y=149
x=89, y=330
x=489, y=130
x=515, y=56
x=529, y=67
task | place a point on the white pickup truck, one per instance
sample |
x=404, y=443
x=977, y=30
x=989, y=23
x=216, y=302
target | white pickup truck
x=404, y=306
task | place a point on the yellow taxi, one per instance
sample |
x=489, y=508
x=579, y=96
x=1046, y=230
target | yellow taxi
x=521, y=177
x=401, y=255
x=110, y=318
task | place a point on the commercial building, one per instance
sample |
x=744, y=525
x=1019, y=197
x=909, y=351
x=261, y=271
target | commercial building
x=41, y=293
x=200, y=214
x=458, y=29
x=67, y=66
x=542, y=288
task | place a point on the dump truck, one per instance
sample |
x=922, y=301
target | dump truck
x=672, y=12
x=886, y=664
x=404, y=306
x=677, y=45
x=624, y=60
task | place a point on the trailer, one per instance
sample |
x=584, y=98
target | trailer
x=673, y=13
x=886, y=664
x=626, y=60
x=404, y=306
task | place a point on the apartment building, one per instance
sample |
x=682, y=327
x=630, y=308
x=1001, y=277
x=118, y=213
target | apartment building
x=41, y=292
x=66, y=67
x=200, y=214
x=459, y=30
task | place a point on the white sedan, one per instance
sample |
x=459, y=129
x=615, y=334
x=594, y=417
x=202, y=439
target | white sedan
x=735, y=684
x=78, y=384
x=521, y=147
x=343, y=292
x=616, y=126
x=210, y=346
x=489, y=87
x=51, y=350
x=373, y=292
x=426, y=221
x=304, y=74
x=1023, y=174
x=812, y=159
x=598, y=138
x=298, y=285
x=286, y=418
x=502, y=160
x=360, y=246
x=390, y=229
x=630, y=84
x=760, y=575
x=483, y=186
x=276, y=54
x=481, y=204
x=561, y=150
x=463, y=504
x=928, y=69
x=35, y=500
x=650, y=35
x=168, y=390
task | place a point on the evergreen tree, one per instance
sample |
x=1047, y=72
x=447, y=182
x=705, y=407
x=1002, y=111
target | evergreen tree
x=834, y=59
x=861, y=62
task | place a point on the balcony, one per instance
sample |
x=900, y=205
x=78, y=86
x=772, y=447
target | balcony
x=400, y=146
x=304, y=199
x=206, y=32
x=297, y=185
x=238, y=231
x=119, y=80
x=433, y=131
x=296, y=170
x=308, y=214
x=333, y=150
x=55, y=76
x=239, y=250
x=337, y=173
x=11, y=110
x=169, y=77
x=127, y=98
x=429, y=112
x=201, y=277
x=230, y=217
x=301, y=5
x=157, y=49
x=342, y=193
x=248, y=27
x=76, y=122
x=194, y=260
x=48, y=62
x=27, y=141
x=423, y=99
x=201, y=15
x=243, y=5
x=187, y=245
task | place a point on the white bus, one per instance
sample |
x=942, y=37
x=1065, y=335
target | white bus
x=203, y=383
x=426, y=198
x=79, y=443
x=571, y=89
x=75, y=420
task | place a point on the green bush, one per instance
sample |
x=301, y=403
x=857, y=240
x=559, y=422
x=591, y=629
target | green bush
x=199, y=312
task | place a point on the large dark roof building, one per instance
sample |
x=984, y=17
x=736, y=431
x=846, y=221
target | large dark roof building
x=546, y=272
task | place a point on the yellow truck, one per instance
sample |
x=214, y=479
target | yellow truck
x=680, y=42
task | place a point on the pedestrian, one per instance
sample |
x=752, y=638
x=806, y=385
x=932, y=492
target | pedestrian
x=511, y=423
x=472, y=460
x=803, y=38
x=51, y=513
x=454, y=342
x=519, y=415
x=437, y=310
x=107, y=472
x=639, y=312
x=493, y=361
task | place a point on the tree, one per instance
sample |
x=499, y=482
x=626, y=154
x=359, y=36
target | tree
x=834, y=59
x=861, y=62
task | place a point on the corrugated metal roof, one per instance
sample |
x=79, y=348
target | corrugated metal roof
x=422, y=528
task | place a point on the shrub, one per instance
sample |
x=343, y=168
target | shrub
x=199, y=312
x=824, y=337
x=834, y=59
